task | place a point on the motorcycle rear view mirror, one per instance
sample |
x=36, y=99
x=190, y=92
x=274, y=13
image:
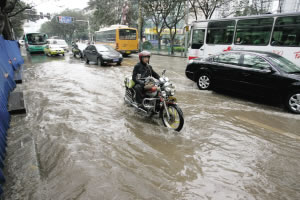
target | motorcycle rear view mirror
x=164, y=71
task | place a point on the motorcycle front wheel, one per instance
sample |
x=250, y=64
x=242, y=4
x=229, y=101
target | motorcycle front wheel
x=176, y=121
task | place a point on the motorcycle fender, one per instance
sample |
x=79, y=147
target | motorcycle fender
x=172, y=100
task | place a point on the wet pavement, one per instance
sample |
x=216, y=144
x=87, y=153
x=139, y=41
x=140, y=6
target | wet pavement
x=80, y=141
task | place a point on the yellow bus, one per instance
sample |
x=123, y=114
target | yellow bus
x=120, y=37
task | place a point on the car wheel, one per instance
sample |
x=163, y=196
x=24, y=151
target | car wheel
x=63, y=54
x=293, y=102
x=86, y=60
x=204, y=82
x=100, y=62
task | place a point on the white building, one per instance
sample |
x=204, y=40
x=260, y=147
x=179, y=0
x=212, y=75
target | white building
x=285, y=6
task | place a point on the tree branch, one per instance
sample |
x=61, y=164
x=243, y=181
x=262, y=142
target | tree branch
x=19, y=11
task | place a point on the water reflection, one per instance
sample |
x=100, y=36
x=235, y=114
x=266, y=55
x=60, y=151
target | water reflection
x=90, y=145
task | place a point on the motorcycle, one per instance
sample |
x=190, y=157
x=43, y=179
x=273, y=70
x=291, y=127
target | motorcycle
x=159, y=99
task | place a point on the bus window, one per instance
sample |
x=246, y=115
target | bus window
x=36, y=38
x=106, y=36
x=254, y=31
x=220, y=32
x=127, y=34
x=198, y=38
x=286, y=31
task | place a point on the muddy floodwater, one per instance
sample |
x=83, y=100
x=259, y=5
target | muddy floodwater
x=80, y=141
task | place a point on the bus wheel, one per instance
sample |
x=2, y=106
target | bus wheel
x=204, y=82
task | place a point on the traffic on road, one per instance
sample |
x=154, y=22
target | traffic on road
x=229, y=144
x=160, y=100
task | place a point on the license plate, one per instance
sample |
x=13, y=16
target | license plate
x=128, y=52
x=116, y=60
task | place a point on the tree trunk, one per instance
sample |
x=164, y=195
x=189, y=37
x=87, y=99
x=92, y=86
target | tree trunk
x=171, y=42
x=159, y=41
x=7, y=32
x=7, y=7
x=172, y=46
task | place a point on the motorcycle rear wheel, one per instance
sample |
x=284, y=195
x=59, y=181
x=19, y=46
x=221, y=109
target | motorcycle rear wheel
x=176, y=120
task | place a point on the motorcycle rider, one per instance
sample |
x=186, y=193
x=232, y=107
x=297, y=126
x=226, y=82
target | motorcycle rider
x=142, y=70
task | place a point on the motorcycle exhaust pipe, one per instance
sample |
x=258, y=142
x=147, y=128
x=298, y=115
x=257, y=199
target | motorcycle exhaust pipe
x=135, y=106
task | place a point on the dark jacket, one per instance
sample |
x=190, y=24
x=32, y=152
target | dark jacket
x=145, y=70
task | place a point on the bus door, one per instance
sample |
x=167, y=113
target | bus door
x=196, y=49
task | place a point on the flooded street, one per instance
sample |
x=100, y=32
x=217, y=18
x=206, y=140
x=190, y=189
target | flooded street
x=88, y=144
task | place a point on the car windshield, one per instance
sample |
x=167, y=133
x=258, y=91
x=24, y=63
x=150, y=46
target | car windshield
x=59, y=42
x=104, y=48
x=284, y=64
x=53, y=46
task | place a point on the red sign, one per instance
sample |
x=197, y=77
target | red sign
x=297, y=55
x=278, y=52
x=228, y=48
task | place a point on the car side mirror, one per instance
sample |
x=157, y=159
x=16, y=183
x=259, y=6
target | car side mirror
x=267, y=70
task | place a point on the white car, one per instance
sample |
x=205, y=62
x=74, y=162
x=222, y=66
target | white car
x=59, y=42
x=22, y=43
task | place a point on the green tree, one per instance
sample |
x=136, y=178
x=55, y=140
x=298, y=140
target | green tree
x=257, y=7
x=67, y=31
x=153, y=10
x=106, y=13
x=173, y=13
x=12, y=17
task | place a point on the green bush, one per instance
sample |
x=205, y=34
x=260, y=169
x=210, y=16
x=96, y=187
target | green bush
x=179, y=49
x=147, y=45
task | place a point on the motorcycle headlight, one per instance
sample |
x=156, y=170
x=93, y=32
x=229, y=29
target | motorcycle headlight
x=172, y=91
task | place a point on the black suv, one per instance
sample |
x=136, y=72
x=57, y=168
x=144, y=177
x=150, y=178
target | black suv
x=251, y=72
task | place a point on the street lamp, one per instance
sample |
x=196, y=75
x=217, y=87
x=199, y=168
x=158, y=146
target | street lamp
x=88, y=22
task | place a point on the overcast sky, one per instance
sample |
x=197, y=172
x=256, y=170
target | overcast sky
x=51, y=6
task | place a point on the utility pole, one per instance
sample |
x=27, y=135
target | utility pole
x=140, y=30
x=186, y=27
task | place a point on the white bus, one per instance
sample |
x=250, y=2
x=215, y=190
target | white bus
x=277, y=33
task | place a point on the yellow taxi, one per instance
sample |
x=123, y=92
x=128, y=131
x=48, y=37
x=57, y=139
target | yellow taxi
x=51, y=50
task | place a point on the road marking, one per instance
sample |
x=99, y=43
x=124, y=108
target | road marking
x=267, y=127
